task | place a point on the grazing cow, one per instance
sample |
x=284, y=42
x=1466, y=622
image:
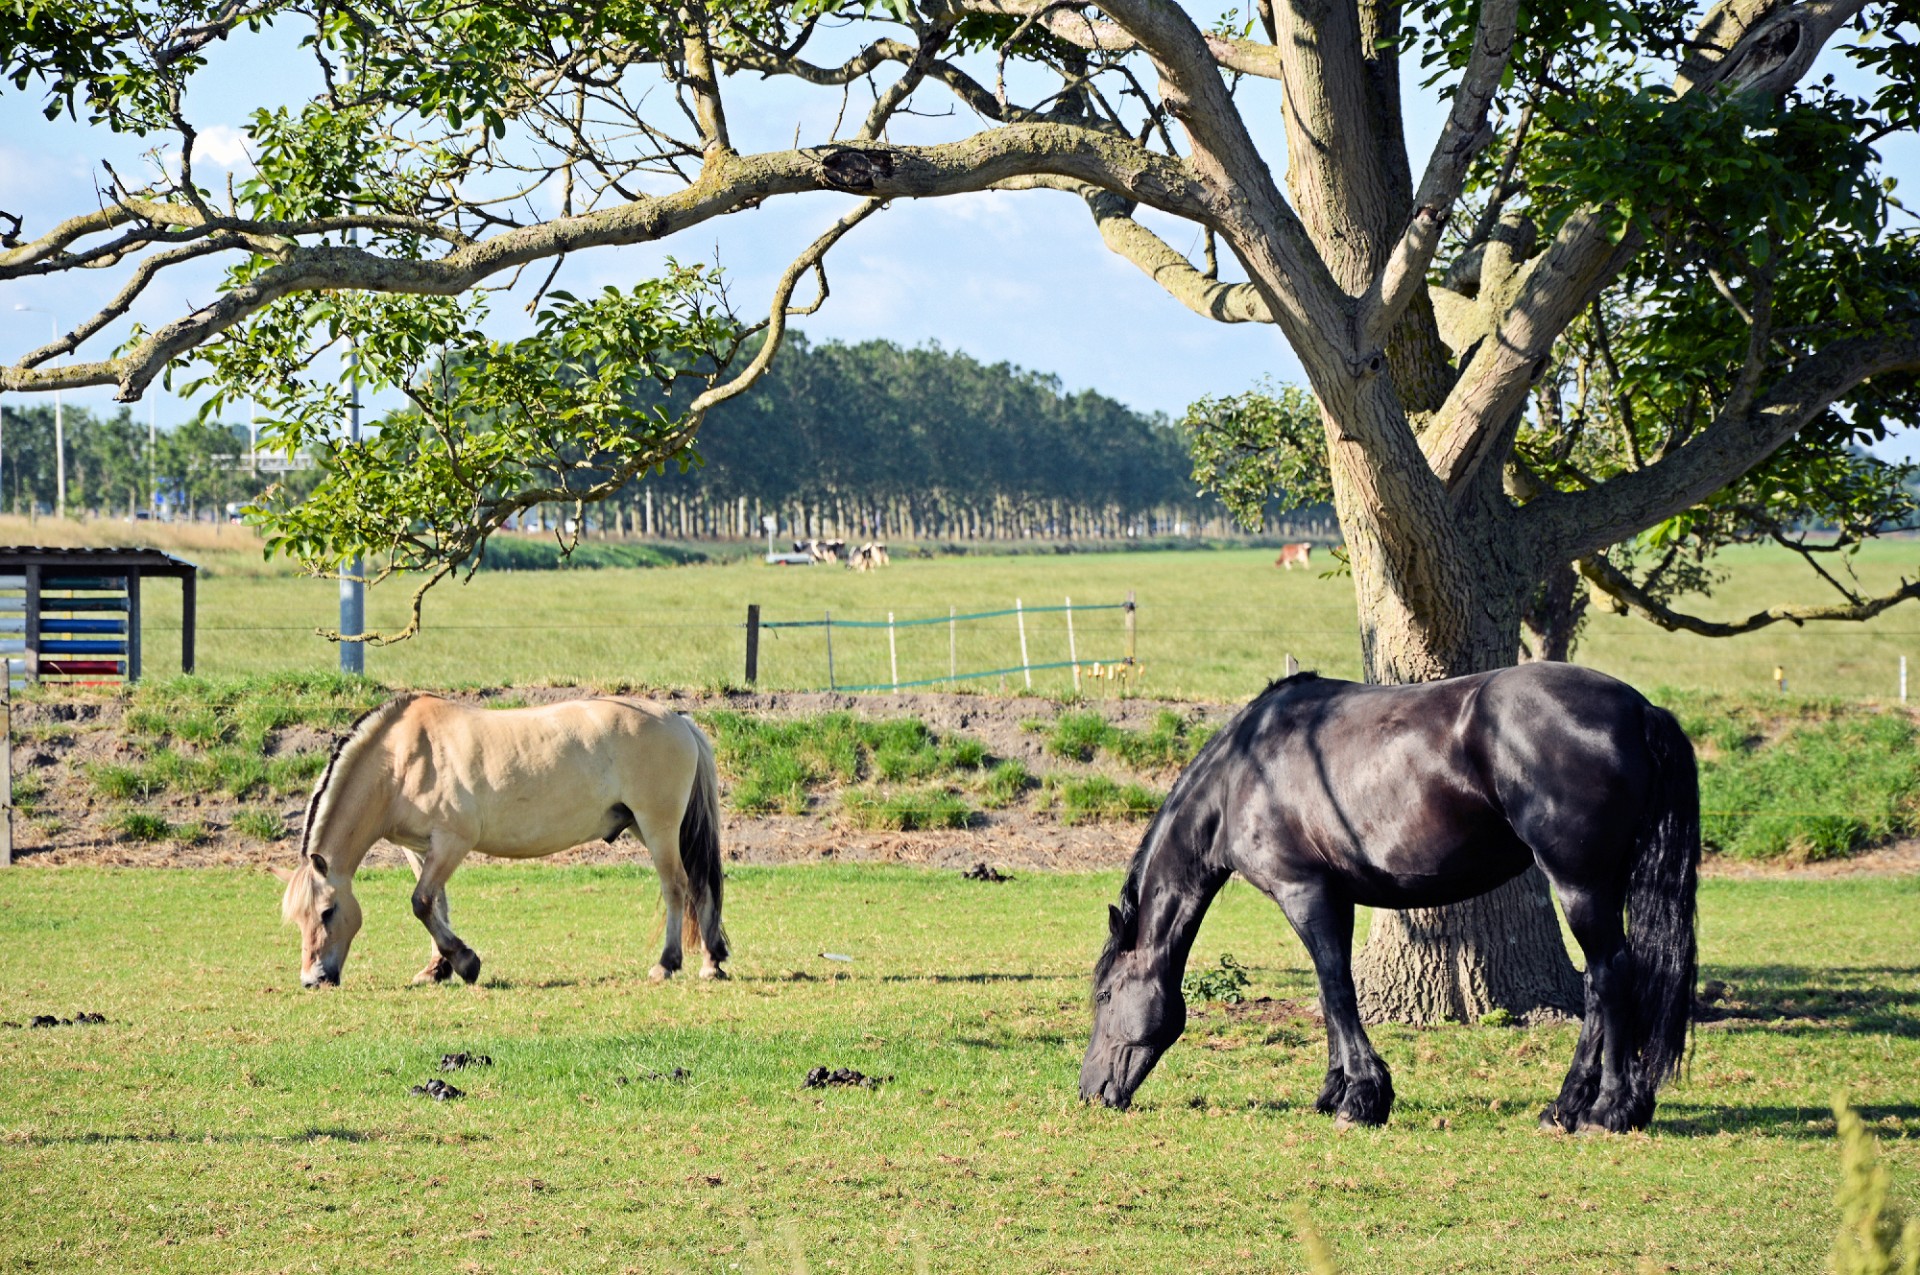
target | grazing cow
x=1295, y=555
x=878, y=552
x=821, y=550
x=868, y=557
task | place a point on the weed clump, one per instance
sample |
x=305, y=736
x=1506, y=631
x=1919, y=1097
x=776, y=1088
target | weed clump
x=1226, y=983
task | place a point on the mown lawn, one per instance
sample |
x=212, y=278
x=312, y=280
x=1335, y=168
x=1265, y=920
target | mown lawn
x=223, y=1120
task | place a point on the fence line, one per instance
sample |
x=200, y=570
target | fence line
x=892, y=624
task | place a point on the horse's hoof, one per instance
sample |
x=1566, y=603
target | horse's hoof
x=1552, y=1122
x=659, y=974
x=714, y=972
x=467, y=965
x=1366, y=1102
x=438, y=970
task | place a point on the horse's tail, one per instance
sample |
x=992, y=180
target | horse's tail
x=700, y=853
x=1660, y=907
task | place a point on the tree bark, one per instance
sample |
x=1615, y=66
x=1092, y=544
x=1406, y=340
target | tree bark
x=1443, y=606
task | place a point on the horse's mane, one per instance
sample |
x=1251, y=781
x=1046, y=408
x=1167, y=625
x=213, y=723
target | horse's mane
x=364, y=727
x=1121, y=936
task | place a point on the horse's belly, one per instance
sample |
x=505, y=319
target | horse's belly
x=533, y=833
x=1461, y=872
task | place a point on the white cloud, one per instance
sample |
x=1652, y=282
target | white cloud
x=223, y=146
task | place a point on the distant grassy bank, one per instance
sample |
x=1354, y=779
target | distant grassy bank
x=1781, y=777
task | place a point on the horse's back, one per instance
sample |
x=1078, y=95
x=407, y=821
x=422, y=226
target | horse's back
x=538, y=779
x=1424, y=793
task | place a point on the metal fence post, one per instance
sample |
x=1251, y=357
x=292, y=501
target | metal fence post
x=953, y=645
x=753, y=643
x=893, y=653
x=1130, y=613
x=6, y=766
x=830, y=685
x=1026, y=665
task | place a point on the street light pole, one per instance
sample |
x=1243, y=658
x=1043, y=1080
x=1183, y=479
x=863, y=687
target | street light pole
x=353, y=587
x=59, y=427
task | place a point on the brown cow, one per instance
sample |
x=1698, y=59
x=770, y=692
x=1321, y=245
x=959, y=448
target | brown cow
x=1295, y=555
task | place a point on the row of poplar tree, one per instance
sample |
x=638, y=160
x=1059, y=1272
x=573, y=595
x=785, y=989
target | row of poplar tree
x=866, y=441
x=873, y=440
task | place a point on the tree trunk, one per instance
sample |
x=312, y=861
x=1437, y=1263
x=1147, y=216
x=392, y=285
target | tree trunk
x=1444, y=604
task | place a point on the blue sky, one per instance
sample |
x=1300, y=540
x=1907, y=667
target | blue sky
x=1020, y=277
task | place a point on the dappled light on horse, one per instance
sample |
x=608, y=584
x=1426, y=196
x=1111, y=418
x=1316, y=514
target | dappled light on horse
x=442, y=780
x=1327, y=795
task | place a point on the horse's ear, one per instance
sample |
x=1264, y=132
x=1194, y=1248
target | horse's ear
x=285, y=874
x=1120, y=925
x=319, y=864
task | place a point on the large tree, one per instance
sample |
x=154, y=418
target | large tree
x=1653, y=159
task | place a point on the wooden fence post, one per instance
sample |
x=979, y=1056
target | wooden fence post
x=1130, y=611
x=953, y=646
x=893, y=652
x=753, y=643
x=1292, y=665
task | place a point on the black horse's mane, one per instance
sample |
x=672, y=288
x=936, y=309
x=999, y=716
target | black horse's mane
x=1127, y=911
x=361, y=725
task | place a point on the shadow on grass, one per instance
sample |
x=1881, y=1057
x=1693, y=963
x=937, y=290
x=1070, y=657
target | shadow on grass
x=1687, y=1119
x=1805, y=1000
x=982, y=978
x=188, y=1138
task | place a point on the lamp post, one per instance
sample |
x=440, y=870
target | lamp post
x=353, y=586
x=59, y=427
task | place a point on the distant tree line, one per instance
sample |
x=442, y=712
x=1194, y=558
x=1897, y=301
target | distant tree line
x=196, y=468
x=874, y=440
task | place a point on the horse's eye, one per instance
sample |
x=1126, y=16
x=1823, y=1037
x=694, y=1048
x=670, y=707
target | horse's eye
x=326, y=917
x=1103, y=997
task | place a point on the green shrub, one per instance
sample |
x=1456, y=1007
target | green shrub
x=1227, y=982
x=135, y=825
x=123, y=783
x=261, y=825
x=292, y=773
x=908, y=810
x=1078, y=736
x=1098, y=797
x=1004, y=784
x=27, y=790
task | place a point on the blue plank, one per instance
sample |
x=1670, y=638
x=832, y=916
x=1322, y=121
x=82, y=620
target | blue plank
x=60, y=624
x=76, y=646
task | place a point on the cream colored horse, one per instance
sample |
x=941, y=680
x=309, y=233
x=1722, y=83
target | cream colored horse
x=440, y=780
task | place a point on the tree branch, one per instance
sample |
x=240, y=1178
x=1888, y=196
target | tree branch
x=1199, y=291
x=1463, y=136
x=726, y=183
x=1614, y=583
x=1578, y=523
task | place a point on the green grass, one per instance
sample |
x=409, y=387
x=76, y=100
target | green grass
x=1806, y=778
x=261, y=825
x=907, y=810
x=778, y=765
x=137, y=825
x=224, y=1120
x=1083, y=799
x=1212, y=624
x=1169, y=743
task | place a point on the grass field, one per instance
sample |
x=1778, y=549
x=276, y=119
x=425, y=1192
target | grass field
x=1211, y=624
x=221, y=1119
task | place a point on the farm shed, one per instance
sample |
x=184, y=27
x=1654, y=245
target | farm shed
x=74, y=614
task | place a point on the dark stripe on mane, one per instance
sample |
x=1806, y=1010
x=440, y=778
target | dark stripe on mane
x=1120, y=938
x=393, y=705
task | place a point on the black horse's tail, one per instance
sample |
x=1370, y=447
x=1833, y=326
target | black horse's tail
x=1660, y=907
x=700, y=854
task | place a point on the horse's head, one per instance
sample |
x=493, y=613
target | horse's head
x=328, y=916
x=1138, y=1012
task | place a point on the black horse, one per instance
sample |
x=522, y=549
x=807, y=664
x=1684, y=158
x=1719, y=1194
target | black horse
x=1327, y=794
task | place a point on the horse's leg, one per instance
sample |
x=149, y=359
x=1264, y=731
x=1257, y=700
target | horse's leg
x=1359, y=1089
x=1599, y=1089
x=662, y=838
x=438, y=968
x=429, y=904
